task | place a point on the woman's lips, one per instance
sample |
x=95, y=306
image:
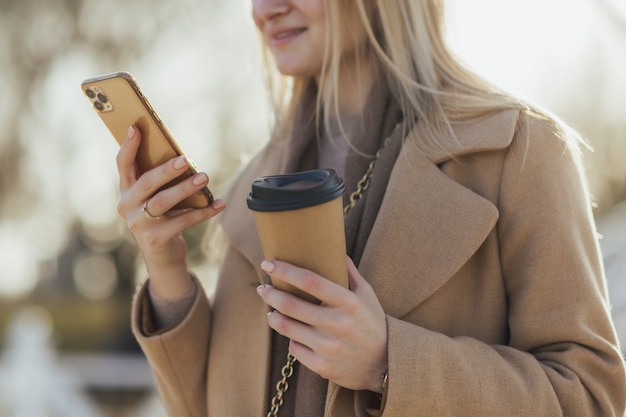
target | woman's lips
x=281, y=37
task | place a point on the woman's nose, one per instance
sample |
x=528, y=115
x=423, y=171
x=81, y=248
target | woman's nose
x=265, y=10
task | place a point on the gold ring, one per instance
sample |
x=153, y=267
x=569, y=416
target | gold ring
x=146, y=213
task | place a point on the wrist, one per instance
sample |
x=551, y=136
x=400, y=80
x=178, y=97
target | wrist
x=170, y=283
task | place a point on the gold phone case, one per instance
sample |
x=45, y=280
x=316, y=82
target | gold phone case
x=120, y=103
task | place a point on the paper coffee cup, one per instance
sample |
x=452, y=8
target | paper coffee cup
x=299, y=219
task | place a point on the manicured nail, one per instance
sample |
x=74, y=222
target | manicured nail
x=219, y=204
x=200, y=179
x=180, y=162
x=260, y=289
x=131, y=132
x=268, y=266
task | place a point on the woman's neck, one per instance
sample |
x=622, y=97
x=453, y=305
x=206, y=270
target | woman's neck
x=356, y=78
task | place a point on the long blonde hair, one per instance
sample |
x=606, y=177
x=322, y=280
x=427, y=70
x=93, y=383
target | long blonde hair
x=406, y=39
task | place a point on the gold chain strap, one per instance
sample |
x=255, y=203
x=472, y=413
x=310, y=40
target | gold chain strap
x=287, y=371
x=364, y=182
x=282, y=386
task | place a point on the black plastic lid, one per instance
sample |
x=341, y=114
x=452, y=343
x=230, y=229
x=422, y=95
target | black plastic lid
x=294, y=191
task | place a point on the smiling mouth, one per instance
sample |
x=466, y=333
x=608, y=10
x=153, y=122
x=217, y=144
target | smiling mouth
x=287, y=34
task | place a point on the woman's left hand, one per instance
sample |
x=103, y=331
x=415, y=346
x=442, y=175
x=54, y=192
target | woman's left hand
x=344, y=339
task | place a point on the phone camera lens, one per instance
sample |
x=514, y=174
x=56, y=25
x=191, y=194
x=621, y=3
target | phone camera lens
x=98, y=106
x=102, y=98
x=90, y=93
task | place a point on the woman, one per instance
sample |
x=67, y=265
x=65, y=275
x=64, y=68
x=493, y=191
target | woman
x=476, y=283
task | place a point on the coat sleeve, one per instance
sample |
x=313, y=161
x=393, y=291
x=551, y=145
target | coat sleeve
x=562, y=357
x=177, y=355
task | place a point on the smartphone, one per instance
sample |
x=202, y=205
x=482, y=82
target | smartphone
x=119, y=102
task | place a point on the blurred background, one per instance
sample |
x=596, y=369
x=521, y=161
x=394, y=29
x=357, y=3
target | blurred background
x=68, y=268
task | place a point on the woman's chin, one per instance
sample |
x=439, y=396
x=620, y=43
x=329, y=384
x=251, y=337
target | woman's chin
x=294, y=69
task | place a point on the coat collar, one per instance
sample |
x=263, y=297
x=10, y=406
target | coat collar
x=491, y=132
x=429, y=218
x=428, y=227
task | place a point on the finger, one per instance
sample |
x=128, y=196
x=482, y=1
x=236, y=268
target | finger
x=303, y=353
x=193, y=217
x=309, y=324
x=126, y=157
x=286, y=325
x=289, y=305
x=295, y=330
x=355, y=279
x=319, y=287
x=150, y=182
x=144, y=188
x=173, y=225
x=217, y=205
x=324, y=366
x=165, y=200
x=322, y=355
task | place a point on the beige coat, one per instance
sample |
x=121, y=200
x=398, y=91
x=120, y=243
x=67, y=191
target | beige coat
x=487, y=265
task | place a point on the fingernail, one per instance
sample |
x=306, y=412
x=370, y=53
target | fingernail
x=180, y=162
x=131, y=132
x=268, y=266
x=260, y=289
x=200, y=179
x=219, y=204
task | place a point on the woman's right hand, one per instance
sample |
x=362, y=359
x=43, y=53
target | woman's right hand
x=158, y=232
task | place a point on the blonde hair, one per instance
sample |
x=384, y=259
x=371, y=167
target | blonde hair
x=406, y=40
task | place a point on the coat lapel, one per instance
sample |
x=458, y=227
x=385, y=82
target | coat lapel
x=429, y=225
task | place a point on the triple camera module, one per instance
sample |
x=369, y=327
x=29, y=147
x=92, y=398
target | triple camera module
x=98, y=99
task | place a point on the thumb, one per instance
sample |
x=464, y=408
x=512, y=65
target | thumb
x=355, y=279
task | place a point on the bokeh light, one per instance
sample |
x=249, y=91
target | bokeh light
x=95, y=275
